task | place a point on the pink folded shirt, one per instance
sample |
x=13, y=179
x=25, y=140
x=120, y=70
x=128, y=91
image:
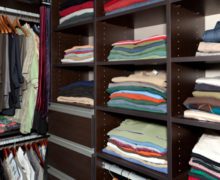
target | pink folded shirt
x=72, y=9
x=133, y=42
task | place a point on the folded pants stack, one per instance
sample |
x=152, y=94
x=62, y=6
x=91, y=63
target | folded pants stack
x=142, y=91
x=117, y=6
x=81, y=92
x=211, y=42
x=205, y=161
x=79, y=54
x=205, y=105
x=149, y=48
x=140, y=143
x=75, y=11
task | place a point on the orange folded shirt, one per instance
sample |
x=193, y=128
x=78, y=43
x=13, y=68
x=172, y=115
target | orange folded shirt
x=137, y=97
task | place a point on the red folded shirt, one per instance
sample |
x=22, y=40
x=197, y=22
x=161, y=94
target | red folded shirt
x=118, y=4
x=75, y=8
x=192, y=178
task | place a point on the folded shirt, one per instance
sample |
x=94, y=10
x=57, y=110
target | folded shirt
x=69, y=61
x=78, y=100
x=133, y=6
x=136, y=97
x=207, y=146
x=207, y=87
x=154, y=77
x=215, y=81
x=203, y=168
x=202, y=100
x=72, y=9
x=76, y=48
x=212, y=35
x=206, y=94
x=201, y=115
x=209, y=47
x=198, y=159
x=76, y=14
x=69, y=3
x=141, y=150
x=137, y=42
x=146, y=164
x=153, y=134
x=201, y=174
x=111, y=90
x=136, y=156
x=117, y=4
x=137, y=85
x=207, y=54
x=162, y=108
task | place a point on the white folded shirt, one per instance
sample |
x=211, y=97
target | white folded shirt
x=201, y=115
x=208, y=146
x=77, y=61
x=77, y=13
x=215, y=81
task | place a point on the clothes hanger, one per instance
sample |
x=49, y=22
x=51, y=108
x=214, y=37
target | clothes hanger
x=5, y=153
x=3, y=25
x=9, y=30
x=16, y=23
x=35, y=148
x=8, y=22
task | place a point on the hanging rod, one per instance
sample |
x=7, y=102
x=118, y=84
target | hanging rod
x=46, y=3
x=20, y=139
x=19, y=12
x=122, y=172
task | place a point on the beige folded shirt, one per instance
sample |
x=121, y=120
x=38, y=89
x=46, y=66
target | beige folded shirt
x=209, y=47
x=80, y=100
x=206, y=94
x=155, y=77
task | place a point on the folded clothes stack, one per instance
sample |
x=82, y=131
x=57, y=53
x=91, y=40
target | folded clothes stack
x=79, y=54
x=7, y=124
x=75, y=11
x=81, y=92
x=140, y=143
x=211, y=42
x=205, y=161
x=149, y=48
x=118, y=6
x=142, y=91
x=205, y=105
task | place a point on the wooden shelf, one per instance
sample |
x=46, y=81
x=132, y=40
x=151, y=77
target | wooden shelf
x=90, y=64
x=133, y=167
x=135, y=62
x=132, y=11
x=161, y=117
x=206, y=59
x=196, y=123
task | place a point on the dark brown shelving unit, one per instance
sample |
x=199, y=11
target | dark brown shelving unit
x=139, y=114
x=90, y=64
x=185, y=24
x=196, y=123
x=135, y=62
x=206, y=59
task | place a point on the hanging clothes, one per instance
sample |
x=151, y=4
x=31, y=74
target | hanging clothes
x=40, y=120
x=23, y=162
